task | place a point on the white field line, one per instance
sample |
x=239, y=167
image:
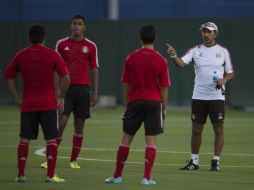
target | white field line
x=41, y=152
x=135, y=150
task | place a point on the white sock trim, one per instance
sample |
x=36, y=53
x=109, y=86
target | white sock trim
x=216, y=158
x=195, y=158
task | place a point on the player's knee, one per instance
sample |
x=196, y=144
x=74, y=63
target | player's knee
x=197, y=129
x=79, y=127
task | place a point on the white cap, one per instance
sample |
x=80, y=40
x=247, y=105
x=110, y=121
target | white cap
x=210, y=26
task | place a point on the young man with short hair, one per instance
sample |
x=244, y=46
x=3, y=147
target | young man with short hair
x=81, y=59
x=145, y=81
x=37, y=65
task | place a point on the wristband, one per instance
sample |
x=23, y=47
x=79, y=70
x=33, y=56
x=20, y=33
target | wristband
x=173, y=56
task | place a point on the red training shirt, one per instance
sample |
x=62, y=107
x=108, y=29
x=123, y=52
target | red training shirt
x=37, y=64
x=78, y=57
x=146, y=71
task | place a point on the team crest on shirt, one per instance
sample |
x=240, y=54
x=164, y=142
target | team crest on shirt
x=84, y=49
x=218, y=55
x=200, y=54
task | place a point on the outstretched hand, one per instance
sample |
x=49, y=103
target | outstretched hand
x=171, y=51
x=168, y=46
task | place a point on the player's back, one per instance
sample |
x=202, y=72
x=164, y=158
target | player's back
x=36, y=64
x=145, y=67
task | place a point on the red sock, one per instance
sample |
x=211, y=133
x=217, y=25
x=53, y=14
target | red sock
x=149, y=160
x=58, y=141
x=22, y=157
x=51, y=153
x=76, y=146
x=122, y=155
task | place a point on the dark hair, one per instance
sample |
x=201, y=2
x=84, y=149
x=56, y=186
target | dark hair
x=36, y=33
x=147, y=34
x=79, y=17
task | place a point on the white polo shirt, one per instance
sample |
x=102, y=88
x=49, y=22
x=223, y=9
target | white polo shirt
x=207, y=61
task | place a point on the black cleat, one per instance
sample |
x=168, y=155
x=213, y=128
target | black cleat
x=190, y=166
x=215, y=165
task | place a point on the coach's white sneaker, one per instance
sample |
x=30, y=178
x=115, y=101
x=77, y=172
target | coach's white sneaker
x=215, y=165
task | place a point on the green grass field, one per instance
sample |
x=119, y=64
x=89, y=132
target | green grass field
x=102, y=136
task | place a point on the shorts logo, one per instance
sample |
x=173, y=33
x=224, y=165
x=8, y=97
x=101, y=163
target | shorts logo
x=193, y=116
x=84, y=49
x=220, y=116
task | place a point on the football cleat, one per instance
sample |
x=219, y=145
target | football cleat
x=148, y=182
x=215, y=165
x=190, y=166
x=74, y=165
x=54, y=179
x=113, y=180
x=20, y=179
x=44, y=165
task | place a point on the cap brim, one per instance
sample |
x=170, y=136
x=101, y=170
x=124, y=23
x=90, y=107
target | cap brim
x=209, y=28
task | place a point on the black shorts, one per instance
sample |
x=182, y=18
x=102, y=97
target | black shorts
x=77, y=100
x=30, y=121
x=149, y=112
x=202, y=108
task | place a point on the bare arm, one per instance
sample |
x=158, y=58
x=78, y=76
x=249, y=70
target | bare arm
x=164, y=100
x=172, y=53
x=57, y=84
x=94, y=77
x=12, y=91
x=126, y=89
x=65, y=82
